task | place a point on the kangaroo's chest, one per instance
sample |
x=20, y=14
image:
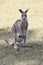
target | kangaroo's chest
x=24, y=25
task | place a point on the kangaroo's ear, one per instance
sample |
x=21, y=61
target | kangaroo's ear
x=20, y=10
x=26, y=11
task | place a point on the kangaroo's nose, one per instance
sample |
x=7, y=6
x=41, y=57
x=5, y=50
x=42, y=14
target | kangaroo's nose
x=24, y=19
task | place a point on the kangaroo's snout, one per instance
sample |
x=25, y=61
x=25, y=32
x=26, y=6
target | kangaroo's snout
x=24, y=19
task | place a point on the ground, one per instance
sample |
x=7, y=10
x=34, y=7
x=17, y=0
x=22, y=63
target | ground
x=26, y=55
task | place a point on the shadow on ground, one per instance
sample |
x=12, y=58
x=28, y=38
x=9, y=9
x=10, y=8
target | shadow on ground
x=5, y=33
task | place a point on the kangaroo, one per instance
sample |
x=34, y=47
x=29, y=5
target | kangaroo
x=19, y=29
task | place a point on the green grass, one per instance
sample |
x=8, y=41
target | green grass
x=9, y=56
x=24, y=54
